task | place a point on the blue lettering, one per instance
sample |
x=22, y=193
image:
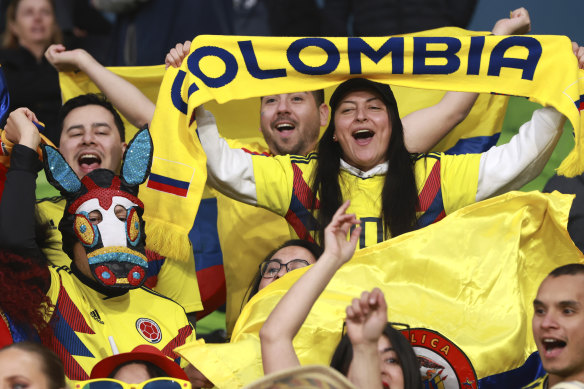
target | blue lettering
x=474, y=55
x=251, y=63
x=175, y=89
x=230, y=65
x=332, y=61
x=378, y=223
x=395, y=46
x=528, y=65
x=421, y=53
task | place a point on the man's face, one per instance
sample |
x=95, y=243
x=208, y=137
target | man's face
x=90, y=140
x=290, y=122
x=558, y=327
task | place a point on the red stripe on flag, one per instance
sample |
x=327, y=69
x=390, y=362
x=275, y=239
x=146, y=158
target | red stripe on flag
x=167, y=188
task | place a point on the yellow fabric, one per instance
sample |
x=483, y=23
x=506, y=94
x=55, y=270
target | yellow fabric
x=224, y=68
x=176, y=279
x=446, y=277
x=84, y=324
x=277, y=186
x=241, y=67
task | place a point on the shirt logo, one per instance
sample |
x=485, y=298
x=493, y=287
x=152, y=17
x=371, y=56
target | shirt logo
x=149, y=330
x=95, y=315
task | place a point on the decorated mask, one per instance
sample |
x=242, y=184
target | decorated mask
x=104, y=214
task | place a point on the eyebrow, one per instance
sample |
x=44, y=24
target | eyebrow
x=387, y=349
x=561, y=303
x=93, y=125
x=367, y=101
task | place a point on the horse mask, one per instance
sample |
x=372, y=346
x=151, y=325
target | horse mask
x=104, y=214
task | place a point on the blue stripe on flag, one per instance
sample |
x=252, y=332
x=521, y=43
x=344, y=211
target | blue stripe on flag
x=204, y=236
x=476, y=144
x=169, y=181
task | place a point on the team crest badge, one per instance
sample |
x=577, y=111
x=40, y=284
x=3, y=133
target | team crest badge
x=443, y=365
x=149, y=330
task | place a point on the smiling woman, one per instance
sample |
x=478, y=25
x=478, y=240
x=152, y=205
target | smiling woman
x=362, y=157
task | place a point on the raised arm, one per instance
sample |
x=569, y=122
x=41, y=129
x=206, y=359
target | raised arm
x=512, y=165
x=287, y=317
x=128, y=99
x=424, y=128
x=366, y=319
x=17, y=208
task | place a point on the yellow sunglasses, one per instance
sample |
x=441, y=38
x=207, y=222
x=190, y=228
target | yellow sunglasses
x=153, y=383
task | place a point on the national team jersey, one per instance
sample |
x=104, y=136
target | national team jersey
x=445, y=184
x=176, y=279
x=540, y=383
x=84, y=319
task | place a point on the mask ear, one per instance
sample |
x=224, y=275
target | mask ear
x=58, y=171
x=137, y=159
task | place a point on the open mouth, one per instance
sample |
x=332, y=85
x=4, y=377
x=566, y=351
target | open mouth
x=287, y=126
x=552, y=346
x=363, y=137
x=89, y=161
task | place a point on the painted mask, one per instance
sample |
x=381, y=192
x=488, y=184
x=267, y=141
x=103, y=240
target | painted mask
x=104, y=214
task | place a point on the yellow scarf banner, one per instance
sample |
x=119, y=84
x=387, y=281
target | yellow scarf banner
x=468, y=306
x=224, y=68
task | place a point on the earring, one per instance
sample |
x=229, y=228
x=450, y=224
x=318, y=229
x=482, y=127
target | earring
x=335, y=138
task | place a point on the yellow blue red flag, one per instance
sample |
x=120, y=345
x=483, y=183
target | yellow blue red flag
x=468, y=306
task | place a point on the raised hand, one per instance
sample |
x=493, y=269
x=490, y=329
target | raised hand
x=367, y=317
x=579, y=53
x=517, y=24
x=177, y=54
x=20, y=128
x=335, y=234
x=66, y=60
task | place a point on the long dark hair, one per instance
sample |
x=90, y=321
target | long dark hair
x=408, y=361
x=399, y=193
x=254, y=286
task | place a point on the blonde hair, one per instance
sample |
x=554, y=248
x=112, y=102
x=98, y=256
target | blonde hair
x=10, y=40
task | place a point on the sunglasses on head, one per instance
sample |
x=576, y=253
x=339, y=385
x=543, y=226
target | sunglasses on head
x=154, y=383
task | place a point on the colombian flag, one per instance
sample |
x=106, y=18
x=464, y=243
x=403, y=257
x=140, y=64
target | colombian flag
x=468, y=306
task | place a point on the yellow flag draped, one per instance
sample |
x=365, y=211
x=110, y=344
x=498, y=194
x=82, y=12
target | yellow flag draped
x=447, y=278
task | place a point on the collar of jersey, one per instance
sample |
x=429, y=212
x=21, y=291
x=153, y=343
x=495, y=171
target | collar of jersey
x=91, y=283
x=375, y=171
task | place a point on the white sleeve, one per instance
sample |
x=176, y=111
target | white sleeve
x=512, y=165
x=230, y=171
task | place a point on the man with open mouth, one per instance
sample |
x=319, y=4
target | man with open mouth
x=558, y=326
x=92, y=137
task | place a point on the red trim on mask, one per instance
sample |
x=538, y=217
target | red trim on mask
x=103, y=195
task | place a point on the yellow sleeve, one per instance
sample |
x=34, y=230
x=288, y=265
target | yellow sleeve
x=51, y=213
x=274, y=178
x=178, y=280
x=459, y=175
